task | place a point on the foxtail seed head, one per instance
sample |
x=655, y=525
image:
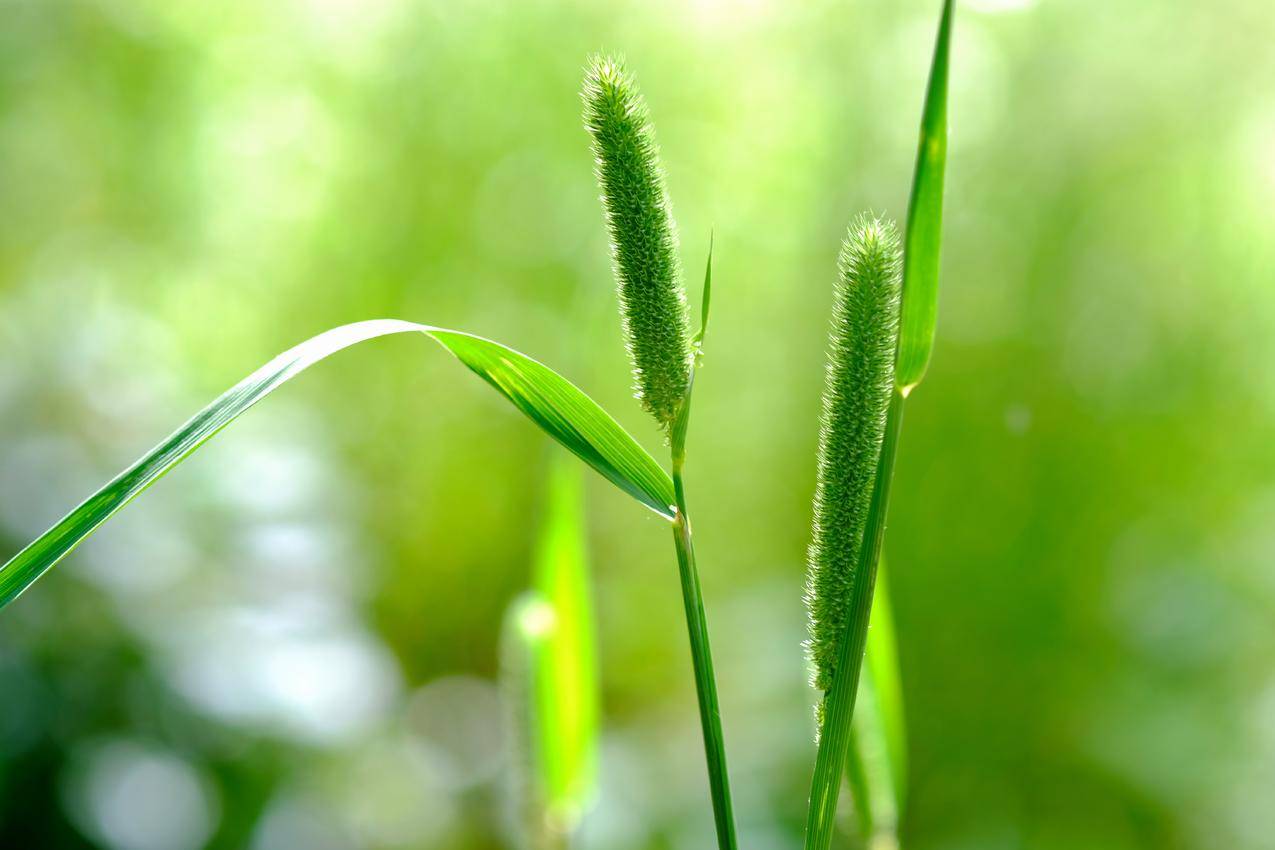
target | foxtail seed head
x=859, y=383
x=643, y=237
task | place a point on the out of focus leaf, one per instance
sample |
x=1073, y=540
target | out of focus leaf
x=882, y=664
x=876, y=768
x=550, y=671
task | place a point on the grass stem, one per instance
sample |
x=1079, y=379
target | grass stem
x=702, y=658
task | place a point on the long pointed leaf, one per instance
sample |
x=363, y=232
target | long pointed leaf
x=925, y=222
x=552, y=402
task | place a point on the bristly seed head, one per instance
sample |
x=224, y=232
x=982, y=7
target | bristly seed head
x=643, y=237
x=859, y=383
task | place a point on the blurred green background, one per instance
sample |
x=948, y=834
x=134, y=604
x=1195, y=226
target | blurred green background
x=292, y=641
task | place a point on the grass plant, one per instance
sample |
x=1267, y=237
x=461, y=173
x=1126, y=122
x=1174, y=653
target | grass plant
x=880, y=345
x=654, y=320
x=919, y=308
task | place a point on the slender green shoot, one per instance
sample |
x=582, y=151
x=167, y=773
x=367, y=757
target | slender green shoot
x=550, y=675
x=528, y=624
x=696, y=621
x=677, y=437
x=706, y=299
x=883, y=669
x=566, y=693
x=875, y=762
x=705, y=679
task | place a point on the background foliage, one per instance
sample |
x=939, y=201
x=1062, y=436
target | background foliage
x=294, y=644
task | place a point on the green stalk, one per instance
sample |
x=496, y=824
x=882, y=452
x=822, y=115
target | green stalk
x=701, y=653
x=710, y=714
x=839, y=700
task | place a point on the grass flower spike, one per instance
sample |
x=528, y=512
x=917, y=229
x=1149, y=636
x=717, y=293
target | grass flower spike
x=657, y=334
x=845, y=560
x=643, y=237
x=859, y=383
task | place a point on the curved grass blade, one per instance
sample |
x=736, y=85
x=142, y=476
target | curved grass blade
x=857, y=777
x=552, y=402
x=568, y=415
x=925, y=222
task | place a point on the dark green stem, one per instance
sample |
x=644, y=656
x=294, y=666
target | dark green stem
x=701, y=655
x=839, y=699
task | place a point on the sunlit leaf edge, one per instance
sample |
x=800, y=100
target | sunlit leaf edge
x=555, y=404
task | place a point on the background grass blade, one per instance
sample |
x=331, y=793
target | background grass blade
x=860, y=785
x=566, y=677
x=552, y=402
x=925, y=221
x=876, y=758
x=550, y=675
x=882, y=666
x=523, y=635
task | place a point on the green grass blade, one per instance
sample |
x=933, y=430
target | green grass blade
x=677, y=435
x=522, y=637
x=566, y=677
x=925, y=221
x=706, y=300
x=552, y=402
x=566, y=414
x=882, y=660
x=549, y=675
x=875, y=760
x=857, y=775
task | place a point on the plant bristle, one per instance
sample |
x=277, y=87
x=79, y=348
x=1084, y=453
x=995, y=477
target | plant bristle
x=859, y=383
x=643, y=237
